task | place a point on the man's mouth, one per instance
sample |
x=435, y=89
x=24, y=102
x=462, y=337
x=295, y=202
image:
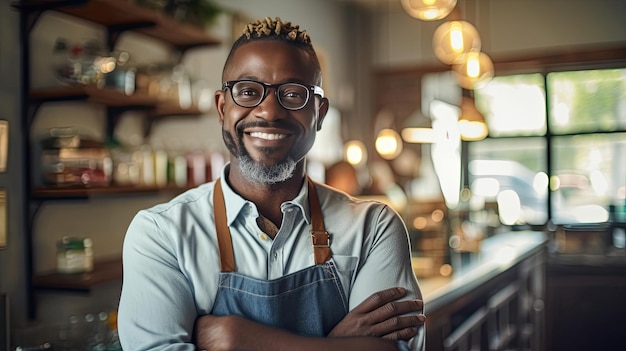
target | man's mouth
x=268, y=136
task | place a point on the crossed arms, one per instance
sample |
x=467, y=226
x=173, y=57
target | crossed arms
x=375, y=324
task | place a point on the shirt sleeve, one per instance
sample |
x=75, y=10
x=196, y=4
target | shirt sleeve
x=387, y=264
x=156, y=305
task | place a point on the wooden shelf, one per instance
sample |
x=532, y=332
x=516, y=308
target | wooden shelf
x=82, y=192
x=91, y=93
x=104, y=271
x=119, y=15
x=112, y=98
x=171, y=108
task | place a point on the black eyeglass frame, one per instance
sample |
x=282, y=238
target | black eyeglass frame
x=316, y=90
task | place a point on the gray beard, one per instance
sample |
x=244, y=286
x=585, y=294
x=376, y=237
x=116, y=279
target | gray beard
x=256, y=172
x=260, y=174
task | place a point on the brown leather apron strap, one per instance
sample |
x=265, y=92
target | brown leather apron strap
x=319, y=236
x=224, y=242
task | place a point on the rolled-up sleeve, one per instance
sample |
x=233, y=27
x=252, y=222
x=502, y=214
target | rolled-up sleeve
x=387, y=264
x=156, y=306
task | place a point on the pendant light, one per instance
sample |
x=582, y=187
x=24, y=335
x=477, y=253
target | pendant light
x=388, y=144
x=355, y=152
x=474, y=70
x=453, y=39
x=418, y=129
x=428, y=10
x=472, y=125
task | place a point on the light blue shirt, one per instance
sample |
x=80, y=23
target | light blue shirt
x=171, y=259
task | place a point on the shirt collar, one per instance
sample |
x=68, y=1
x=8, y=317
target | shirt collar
x=235, y=205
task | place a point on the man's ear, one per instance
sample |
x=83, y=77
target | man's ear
x=219, y=105
x=321, y=113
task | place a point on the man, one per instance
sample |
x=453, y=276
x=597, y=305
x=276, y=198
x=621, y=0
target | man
x=263, y=258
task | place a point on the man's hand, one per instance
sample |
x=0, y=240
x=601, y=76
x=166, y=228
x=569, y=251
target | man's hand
x=382, y=315
x=220, y=333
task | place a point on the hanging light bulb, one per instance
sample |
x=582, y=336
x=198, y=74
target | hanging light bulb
x=428, y=10
x=388, y=144
x=474, y=70
x=472, y=125
x=355, y=152
x=453, y=39
x=418, y=129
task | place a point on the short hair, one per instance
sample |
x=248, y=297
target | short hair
x=277, y=30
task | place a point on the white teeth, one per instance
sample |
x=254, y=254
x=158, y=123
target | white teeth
x=268, y=136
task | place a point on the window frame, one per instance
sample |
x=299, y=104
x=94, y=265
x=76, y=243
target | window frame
x=566, y=61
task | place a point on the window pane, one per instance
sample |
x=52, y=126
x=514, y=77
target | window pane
x=513, y=105
x=589, y=175
x=587, y=101
x=510, y=174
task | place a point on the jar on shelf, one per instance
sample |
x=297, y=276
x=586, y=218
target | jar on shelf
x=85, y=62
x=68, y=159
x=74, y=255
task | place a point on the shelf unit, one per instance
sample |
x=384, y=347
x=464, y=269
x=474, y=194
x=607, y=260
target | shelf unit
x=81, y=192
x=115, y=101
x=122, y=15
x=105, y=270
x=116, y=17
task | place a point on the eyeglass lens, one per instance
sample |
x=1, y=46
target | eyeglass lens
x=291, y=96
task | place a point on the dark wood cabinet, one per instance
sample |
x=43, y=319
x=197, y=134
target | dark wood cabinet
x=585, y=303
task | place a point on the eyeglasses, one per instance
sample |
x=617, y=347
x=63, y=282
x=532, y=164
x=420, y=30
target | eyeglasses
x=250, y=93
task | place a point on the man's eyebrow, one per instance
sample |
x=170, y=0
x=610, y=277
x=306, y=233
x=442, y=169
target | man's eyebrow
x=248, y=77
x=287, y=80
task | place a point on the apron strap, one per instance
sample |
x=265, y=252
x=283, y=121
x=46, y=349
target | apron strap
x=319, y=236
x=224, y=242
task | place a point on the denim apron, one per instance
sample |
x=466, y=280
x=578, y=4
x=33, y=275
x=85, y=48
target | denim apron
x=308, y=302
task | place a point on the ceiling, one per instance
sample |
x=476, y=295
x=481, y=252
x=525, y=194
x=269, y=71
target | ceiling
x=375, y=5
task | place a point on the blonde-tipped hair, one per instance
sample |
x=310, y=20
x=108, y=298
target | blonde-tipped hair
x=276, y=29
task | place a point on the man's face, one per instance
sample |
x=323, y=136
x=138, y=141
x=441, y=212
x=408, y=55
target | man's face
x=266, y=142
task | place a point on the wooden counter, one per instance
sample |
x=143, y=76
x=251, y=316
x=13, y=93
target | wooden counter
x=509, y=269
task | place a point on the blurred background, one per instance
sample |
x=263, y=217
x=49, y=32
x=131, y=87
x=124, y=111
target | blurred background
x=495, y=128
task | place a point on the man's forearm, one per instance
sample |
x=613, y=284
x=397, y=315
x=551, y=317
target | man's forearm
x=232, y=333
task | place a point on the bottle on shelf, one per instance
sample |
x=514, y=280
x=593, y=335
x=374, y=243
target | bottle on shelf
x=122, y=76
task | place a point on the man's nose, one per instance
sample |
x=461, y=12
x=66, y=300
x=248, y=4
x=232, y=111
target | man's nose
x=270, y=108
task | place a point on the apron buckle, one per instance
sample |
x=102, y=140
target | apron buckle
x=321, y=238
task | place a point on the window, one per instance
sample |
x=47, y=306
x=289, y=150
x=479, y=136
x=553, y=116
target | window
x=587, y=101
x=514, y=105
x=556, y=146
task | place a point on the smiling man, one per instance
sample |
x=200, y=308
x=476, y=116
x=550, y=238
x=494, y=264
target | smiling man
x=264, y=258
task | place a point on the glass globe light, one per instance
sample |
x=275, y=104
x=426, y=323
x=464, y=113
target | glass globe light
x=428, y=10
x=474, y=70
x=453, y=39
x=355, y=152
x=388, y=144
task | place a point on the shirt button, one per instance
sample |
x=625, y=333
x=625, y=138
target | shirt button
x=263, y=236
